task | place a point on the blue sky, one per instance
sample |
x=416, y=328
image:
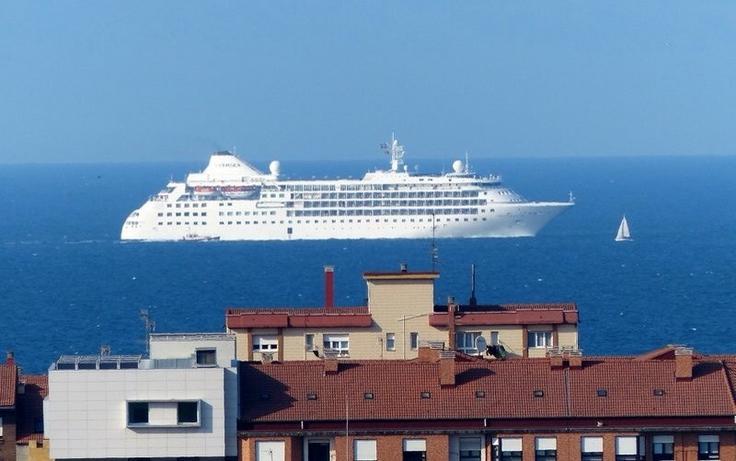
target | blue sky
x=102, y=81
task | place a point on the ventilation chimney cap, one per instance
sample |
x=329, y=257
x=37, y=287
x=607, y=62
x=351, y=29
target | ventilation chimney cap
x=404, y=267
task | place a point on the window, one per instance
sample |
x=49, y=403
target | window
x=390, y=342
x=591, y=448
x=1, y=426
x=494, y=338
x=137, y=412
x=187, y=412
x=365, y=450
x=708, y=447
x=663, y=448
x=540, y=339
x=627, y=449
x=206, y=357
x=309, y=342
x=470, y=448
x=415, y=450
x=265, y=344
x=545, y=449
x=414, y=340
x=337, y=343
x=510, y=450
x=466, y=341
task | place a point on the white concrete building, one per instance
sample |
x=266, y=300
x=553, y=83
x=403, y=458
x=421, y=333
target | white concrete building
x=182, y=402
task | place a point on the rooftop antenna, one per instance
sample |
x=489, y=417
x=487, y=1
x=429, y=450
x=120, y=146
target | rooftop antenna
x=149, y=325
x=395, y=151
x=473, y=301
x=434, y=251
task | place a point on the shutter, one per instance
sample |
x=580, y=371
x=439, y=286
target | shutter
x=365, y=450
x=470, y=444
x=510, y=444
x=546, y=443
x=415, y=445
x=708, y=439
x=592, y=445
x=626, y=445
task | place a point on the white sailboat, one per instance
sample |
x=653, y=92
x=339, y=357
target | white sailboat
x=623, y=234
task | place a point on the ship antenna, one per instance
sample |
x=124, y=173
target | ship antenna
x=467, y=164
x=395, y=151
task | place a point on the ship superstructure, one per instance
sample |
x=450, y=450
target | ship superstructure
x=233, y=200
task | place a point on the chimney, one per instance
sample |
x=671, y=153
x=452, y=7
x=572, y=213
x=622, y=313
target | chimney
x=329, y=287
x=451, y=309
x=429, y=351
x=472, y=301
x=684, y=363
x=10, y=358
x=404, y=267
x=575, y=360
x=447, y=368
x=331, y=365
x=556, y=361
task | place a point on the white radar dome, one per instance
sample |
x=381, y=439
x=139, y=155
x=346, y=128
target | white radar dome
x=275, y=168
x=458, y=166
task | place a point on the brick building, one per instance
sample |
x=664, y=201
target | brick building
x=665, y=405
x=400, y=312
x=8, y=383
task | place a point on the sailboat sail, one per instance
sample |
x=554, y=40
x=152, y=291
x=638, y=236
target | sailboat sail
x=623, y=233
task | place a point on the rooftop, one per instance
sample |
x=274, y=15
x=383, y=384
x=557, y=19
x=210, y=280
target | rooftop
x=601, y=387
x=8, y=380
x=284, y=317
x=508, y=314
x=29, y=415
x=191, y=337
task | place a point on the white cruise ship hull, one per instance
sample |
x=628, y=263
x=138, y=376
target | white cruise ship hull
x=506, y=220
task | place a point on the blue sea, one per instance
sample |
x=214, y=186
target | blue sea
x=68, y=285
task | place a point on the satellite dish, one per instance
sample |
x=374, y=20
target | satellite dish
x=480, y=344
x=458, y=166
x=275, y=168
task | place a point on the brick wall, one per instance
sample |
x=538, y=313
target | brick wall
x=7, y=441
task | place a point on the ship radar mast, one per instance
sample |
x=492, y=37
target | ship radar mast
x=396, y=151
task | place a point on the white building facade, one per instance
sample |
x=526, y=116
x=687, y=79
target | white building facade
x=181, y=402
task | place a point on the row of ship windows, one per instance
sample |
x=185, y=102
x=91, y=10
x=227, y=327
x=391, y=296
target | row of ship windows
x=376, y=203
x=384, y=212
x=316, y=221
x=186, y=205
x=365, y=187
x=246, y=213
x=375, y=195
x=186, y=213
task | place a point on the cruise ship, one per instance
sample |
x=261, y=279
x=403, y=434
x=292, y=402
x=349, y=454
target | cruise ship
x=233, y=200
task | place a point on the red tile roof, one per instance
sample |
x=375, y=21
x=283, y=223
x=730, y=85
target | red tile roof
x=30, y=408
x=259, y=317
x=509, y=314
x=277, y=392
x=8, y=380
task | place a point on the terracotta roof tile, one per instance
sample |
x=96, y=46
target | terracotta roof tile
x=278, y=391
x=29, y=411
x=299, y=317
x=8, y=380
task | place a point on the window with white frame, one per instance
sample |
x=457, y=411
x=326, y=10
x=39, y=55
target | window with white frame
x=390, y=341
x=591, y=448
x=545, y=449
x=265, y=344
x=465, y=341
x=709, y=447
x=414, y=340
x=663, y=448
x=309, y=342
x=365, y=450
x=414, y=450
x=470, y=448
x=511, y=449
x=539, y=339
x=628, y=448
x=337, y=343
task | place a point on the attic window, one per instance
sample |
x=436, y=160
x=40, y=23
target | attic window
x=425, y=395
x=311, y=396
x=368, y=396
x=659, y=392
x=538, y=393
x=480, y=394
x=601, y=393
